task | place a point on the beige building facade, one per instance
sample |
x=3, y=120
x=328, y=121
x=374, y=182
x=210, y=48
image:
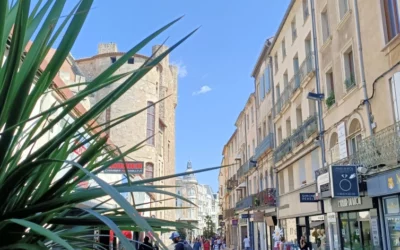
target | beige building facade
x=155, y=126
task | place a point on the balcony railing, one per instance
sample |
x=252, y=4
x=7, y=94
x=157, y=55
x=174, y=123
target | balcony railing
x=266, y=197
x=229, y=213
x=231, y=183
x=244, y=203
x=266, y=144
x=301, y=134
x=244, y=169
x=306, y=67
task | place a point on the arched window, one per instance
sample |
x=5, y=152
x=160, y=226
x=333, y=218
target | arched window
x=333, y=148
x=149, y=174
x=151, y=123
x=192, y=192
x=354, y=136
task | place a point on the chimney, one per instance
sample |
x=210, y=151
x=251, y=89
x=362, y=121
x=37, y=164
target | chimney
x=104, y=48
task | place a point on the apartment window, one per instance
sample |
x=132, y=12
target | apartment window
x=281, y=183
x=395, y=89
x=279, y=135
x=248, y=151
x=392, y=20
x=294, y=30
x=259, y=92
x=161, y=140
x=261, y=182
x=354, y=136
x=276, y=62
x=259, y=135
x=149, y=174
x=270, y=125
x=150, y=123
x=343, y=8
x=325, y=25
x=264, y=129
x=302, y=172
x=330, y=90
x=312, y=107
x=248, y=122
x=131, y=60
x=113, y=59
x=308, y=46
x=252, y=114
x=315, y=162
x=296, y=70
x=285, y=80
x=271, y=177
x=291, y=178
x=267, y=79
x=299, y=116
x=254, y=147
x=306, y=11
x=288, y=128
x=283, y=49
x=266, y=179
x=349, y=69
x=250, y=186
x=255, y=184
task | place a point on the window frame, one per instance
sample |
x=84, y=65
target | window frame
x=151, y=128
x=149, y=169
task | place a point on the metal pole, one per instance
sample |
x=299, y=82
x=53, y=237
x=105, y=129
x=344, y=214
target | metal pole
x=381, y=224
x=362, y=70
x=317, y=85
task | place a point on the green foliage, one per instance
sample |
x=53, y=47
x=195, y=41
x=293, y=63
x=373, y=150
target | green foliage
x=209, y=229
x=330, y=100
x=33, y=195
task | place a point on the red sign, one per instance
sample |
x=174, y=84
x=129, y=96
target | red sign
x=133, y=167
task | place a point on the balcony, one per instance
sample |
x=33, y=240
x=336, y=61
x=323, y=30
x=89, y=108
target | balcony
x=306, y=68
x=229, y=213
x=231, y=183
x=244, y=169
x=379, y=150
x=266, y=197
x=300, y=135
x=266, y=144
x=244, y=203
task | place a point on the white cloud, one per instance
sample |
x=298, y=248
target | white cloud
x=182, y=71
x=204, y=89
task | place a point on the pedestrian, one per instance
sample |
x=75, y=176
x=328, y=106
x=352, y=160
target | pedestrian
x=246, y=242
x=146, y=245
x=197, y=245
x=176, y=238
x=219, y=243
x=206, y=245
x=282, y=243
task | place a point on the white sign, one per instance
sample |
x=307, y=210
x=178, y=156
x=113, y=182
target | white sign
x=375, y=231
x=331, y=217
x=317, y=218
x=321, y=180
x=341, y=128
x=349, y=202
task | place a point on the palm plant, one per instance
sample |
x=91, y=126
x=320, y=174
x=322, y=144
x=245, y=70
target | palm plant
x=38, y=205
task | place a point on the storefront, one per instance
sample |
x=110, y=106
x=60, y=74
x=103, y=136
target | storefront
x=270, y=224
x=349, y=224
x=386, y=188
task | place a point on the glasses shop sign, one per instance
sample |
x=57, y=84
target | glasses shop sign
x=344, y=182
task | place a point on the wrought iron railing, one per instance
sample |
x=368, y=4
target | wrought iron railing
x=244, y=203
x=266, y=197
x=266, y=144
x=321, y=171
x=306, y=67
x=229, y=213
x=301, y=134
x=245, y=168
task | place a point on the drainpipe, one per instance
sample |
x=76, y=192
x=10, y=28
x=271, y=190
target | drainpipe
x=318, y=85
x=362, y=70
x=274, y=140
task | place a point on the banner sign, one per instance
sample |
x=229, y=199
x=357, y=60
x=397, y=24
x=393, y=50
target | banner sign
x=344, y=181
x=133, y=167
x=234, y=222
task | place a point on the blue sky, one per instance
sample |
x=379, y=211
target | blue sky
x=218, y=60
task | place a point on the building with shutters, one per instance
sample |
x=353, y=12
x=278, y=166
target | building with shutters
x=155, y=126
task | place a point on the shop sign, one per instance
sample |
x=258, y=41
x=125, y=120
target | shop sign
x=342, y=140
x=258, y=216
x=307, y=197
x=235, y=222
x=331, y=217
x=349, y=202
x=384, y=184
x=322, y=181
x=245, y=216
x=317, y=218
x=133, y=167
x=344, y=181
x=375, y=231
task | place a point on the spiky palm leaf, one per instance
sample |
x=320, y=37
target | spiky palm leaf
x=36, y=201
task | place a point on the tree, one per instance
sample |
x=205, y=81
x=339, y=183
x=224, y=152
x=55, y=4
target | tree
x=182, y=233
x=209, y=229
x=38, y=181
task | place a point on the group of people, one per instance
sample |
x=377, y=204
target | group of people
x=215, y=243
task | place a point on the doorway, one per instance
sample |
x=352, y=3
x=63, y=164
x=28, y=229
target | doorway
x=355, y=231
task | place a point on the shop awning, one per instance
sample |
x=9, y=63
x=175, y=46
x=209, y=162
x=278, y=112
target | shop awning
x=316, y=224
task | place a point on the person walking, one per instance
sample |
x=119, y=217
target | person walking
x=303, y=243
x=219, y=243
x=246, y=242
x=146, y=245
x=197, y=245
x=176, y=238
x=206, y=244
